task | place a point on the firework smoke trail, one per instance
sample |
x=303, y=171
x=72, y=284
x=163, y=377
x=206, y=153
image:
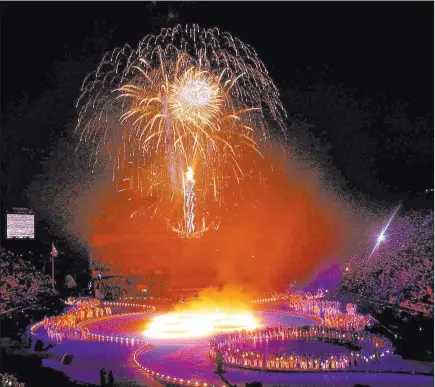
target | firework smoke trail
x=186, y=97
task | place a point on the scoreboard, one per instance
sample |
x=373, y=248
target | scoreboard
x=20, y=224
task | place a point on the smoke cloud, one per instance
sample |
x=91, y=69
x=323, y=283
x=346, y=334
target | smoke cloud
x=276, y=229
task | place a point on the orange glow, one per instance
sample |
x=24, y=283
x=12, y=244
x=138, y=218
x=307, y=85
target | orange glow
x=185, y=325
x=272, y=231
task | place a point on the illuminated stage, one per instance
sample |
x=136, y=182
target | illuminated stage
x=118, y=343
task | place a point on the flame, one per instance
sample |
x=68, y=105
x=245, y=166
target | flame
x=214, y=311
x=188, y=325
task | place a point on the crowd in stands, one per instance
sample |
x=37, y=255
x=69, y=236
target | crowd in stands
x=369, y=347
x=10, y=381
x=20, y=283
x=111, y=288
x=400, y=270
x=66, y=326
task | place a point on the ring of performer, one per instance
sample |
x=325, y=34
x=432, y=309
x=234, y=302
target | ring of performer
x=365, y=347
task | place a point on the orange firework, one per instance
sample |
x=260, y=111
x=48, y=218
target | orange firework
x=180, y=115
x=184, y=98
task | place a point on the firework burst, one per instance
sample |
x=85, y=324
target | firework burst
x=188, y=97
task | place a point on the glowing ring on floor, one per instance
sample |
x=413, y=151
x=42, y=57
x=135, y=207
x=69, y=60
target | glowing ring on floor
x=93, y=336
x=162, y=377
x=261, y=363
x=120, y=339
x=35, y=326
x=314, y=317
x=147, y=346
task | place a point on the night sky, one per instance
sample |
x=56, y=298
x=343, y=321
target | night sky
x=360, y=74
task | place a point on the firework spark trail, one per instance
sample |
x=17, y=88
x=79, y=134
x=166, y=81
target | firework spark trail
x=189, y=204
x=402, y=268
x=186, y=97
x=381, y=236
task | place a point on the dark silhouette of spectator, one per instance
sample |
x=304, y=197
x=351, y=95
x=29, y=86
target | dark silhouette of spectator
x=219, y=363
x=103, y=377
x=39, y=346
x=111, y=379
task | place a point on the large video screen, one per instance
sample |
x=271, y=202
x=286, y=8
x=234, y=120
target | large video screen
x=20, y=224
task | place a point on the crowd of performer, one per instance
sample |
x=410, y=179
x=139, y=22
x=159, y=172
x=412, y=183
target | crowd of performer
x=85, y=303
x=305, y=362
x=372, y=348
x=329, y=311
x=297, y=332
x=313, y=306
x=346, y=321
x=66, y=326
